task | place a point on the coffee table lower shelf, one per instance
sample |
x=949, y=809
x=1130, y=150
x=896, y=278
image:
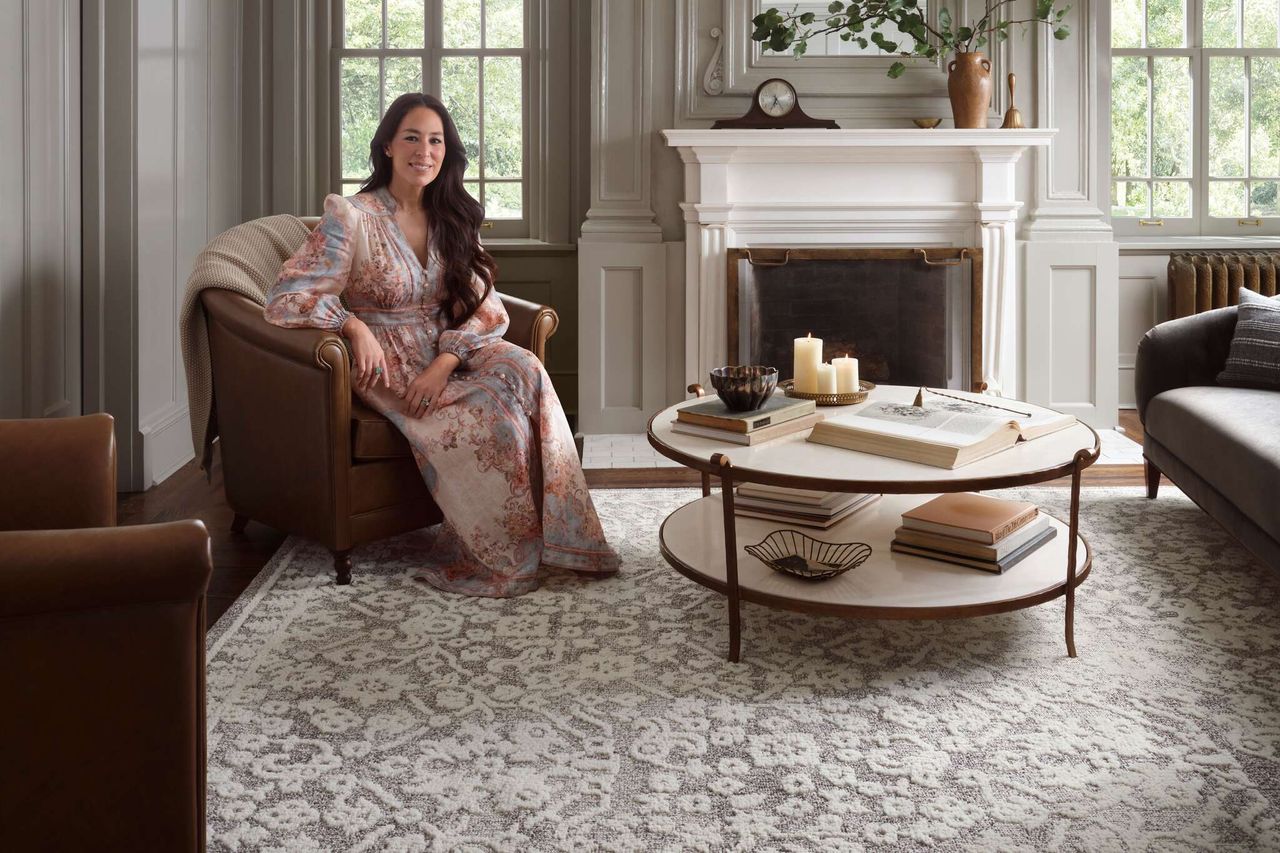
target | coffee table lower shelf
x=887, y=586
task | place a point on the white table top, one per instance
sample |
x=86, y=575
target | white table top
x=793, y=456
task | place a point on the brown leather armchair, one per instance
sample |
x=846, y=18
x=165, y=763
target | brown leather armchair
x=299, y=452
x=102, y=725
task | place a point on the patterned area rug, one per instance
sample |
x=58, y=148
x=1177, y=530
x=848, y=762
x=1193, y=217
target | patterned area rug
x=603, y=715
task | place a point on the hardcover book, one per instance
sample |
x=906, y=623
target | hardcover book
x=993, y=566
x=714, y=413
x=948, y=432
x=970, y=548
x=965, y=515
x=755, y=436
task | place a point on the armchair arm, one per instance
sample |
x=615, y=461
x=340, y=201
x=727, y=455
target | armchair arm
x=103, y=638
x=58, y=473
x=1187, y=351
x=283, y=404
x=531, y=325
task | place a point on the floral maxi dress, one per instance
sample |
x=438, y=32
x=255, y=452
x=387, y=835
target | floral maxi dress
x=496, y=451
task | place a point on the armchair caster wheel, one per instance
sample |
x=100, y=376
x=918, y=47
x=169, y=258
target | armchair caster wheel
x=239, y=523
x=342, y=567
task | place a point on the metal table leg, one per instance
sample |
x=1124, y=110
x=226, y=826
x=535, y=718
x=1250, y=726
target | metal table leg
x=1073, y=531
x=730, y=554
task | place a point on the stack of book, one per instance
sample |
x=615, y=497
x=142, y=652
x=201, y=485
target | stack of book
x=780, y=415
x=973, y=530
x=804, y=507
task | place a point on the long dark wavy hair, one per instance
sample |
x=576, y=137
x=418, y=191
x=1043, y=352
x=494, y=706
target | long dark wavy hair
x=453, y=216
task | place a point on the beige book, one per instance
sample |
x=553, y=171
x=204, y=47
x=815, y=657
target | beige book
x=946, y=434
x=755, y=436
x=968, y=547
x=965, y=515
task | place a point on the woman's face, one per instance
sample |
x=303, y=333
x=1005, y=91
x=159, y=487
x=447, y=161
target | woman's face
x=417, y=149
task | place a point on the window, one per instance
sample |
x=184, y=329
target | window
x=475, y=56
x=1195, y=116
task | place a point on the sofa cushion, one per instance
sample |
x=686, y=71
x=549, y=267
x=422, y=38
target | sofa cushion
x=1254, y=361
x=1227, y=436
x=373, y=436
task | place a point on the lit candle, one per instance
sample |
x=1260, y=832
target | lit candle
x=846, y=374
x=807, y=357
x=826, y=379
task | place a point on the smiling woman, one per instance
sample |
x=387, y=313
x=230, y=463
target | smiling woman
x=399, y=270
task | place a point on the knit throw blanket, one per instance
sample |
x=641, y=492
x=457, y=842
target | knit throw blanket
x=245, y=259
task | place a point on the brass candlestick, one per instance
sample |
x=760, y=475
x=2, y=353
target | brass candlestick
x=1012, y=118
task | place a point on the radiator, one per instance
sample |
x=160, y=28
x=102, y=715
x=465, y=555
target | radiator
x=1202, y=281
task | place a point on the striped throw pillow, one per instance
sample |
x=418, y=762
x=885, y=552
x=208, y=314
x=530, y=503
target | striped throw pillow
x=1254, y=360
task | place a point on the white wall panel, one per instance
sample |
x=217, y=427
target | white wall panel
x=1073, y=297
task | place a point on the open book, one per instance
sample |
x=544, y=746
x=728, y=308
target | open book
x=945, y=430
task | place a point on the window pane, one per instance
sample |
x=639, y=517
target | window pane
x=472, y=187
x=1226, y=198
x=362, y=23
x=1220, y=23
x=1165, y=23
x=503, y=149
x=1262, y=198
x=403, y=74
x=504, y=23
x=1260, y=23
x=460, y=91
x=503, y=201
x=1126, y=23
x=1129, y=198
x=406, y=23
x=358, y=104
x=1171, y=125
x=461, y=23
x=349, y=188
x=1265, y=96
x=1171, y=199
x=1226, y=118
x=1129, y=116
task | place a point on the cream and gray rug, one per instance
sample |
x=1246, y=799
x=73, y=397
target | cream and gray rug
x=603, y=715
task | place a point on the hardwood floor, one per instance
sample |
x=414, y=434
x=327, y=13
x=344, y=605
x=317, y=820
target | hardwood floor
x=238, y=557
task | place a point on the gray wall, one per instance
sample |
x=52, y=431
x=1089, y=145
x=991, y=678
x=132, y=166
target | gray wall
x=40, y=200
x=161, y=174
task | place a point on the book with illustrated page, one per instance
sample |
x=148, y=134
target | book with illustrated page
x=945, y=430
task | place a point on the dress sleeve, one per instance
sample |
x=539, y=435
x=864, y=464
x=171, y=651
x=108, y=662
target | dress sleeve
x=307, y=291
x=486, y=326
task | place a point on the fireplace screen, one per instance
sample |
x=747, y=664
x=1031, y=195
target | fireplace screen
x=910, y=316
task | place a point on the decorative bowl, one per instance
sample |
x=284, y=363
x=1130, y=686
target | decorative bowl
x=745, y=387
x=926, y=123
x=793, y=553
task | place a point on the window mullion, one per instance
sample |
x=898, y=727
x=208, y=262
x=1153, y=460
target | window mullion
x=1151, y=137
x=1248, y=136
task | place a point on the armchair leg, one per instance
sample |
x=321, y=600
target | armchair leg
x=239, y=523
x=1153, y=477
x=342, y=566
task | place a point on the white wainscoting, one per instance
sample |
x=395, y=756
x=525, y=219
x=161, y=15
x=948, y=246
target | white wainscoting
x=1143, y=303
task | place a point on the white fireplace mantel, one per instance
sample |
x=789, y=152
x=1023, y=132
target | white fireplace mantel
x=881, y=187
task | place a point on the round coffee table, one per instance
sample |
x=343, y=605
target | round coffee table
x=703, y=539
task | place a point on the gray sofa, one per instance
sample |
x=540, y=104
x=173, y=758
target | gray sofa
x=1220, y=445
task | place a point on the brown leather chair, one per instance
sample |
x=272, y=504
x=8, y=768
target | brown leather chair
x=102, y=724
x=299, y=452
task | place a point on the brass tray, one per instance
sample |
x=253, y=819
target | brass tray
x=846, y=399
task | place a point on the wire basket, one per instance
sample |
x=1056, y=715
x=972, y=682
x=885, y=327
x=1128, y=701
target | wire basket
x=846, y=399
x=793, y=553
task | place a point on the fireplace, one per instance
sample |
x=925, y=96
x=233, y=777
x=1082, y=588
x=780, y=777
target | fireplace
x=910, y=316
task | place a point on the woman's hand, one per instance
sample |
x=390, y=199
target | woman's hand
x=421, y=394
x=370, y=362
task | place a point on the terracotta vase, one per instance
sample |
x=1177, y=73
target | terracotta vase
x=969, y=87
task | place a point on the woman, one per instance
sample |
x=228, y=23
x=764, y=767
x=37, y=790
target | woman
x=425, y=328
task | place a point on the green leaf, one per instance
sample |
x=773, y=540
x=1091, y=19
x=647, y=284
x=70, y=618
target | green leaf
x=944, y=19
x=964, y=33
x=799, y=48
x=1061, y=33
x=896, y=70
x=807, y=18
x=1043, y=8
x=779, y=40
x=836, y=6
x=862, y=43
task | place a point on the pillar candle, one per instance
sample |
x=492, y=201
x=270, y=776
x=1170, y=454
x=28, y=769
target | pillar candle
x=806, y=358
x=846, y=374
x=826, y=379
